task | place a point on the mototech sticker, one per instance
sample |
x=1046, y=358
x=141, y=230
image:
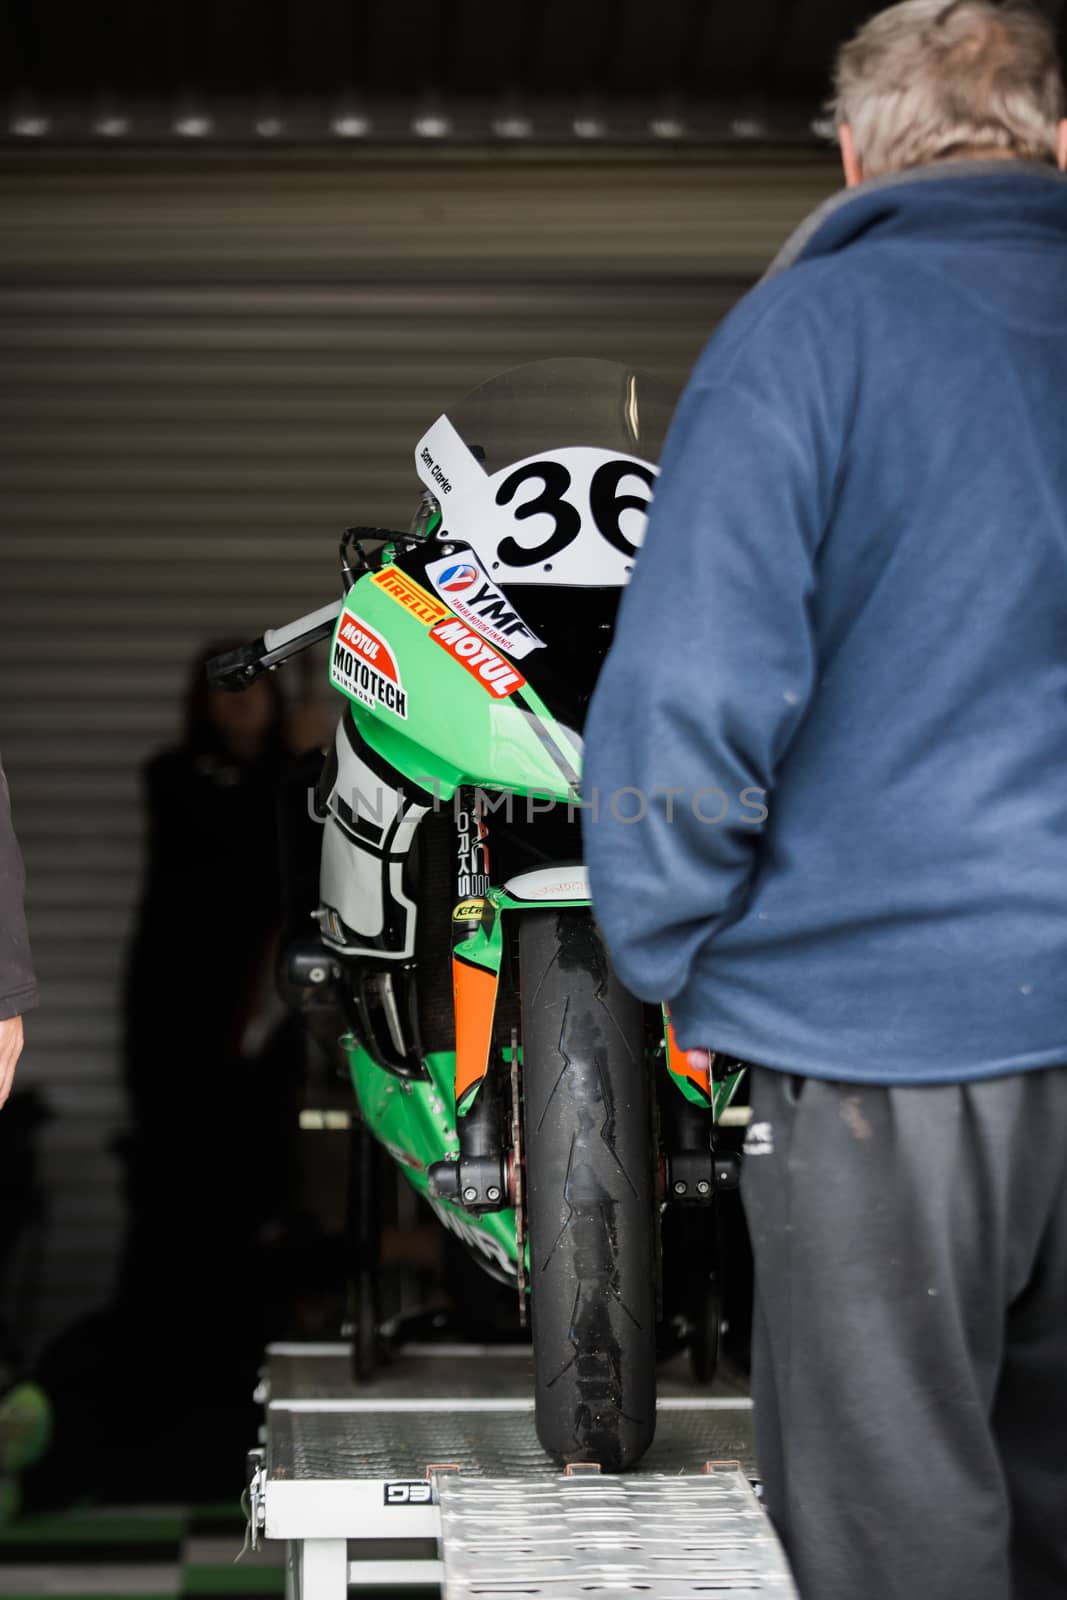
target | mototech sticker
x=363, y=666
x=463, y=583
x=495, y=674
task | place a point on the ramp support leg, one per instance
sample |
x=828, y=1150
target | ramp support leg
x=322, y=1569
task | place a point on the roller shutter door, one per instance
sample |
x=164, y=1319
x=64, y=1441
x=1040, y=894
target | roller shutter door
x=212, y=366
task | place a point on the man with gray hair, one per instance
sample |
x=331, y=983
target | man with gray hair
x=853, y=596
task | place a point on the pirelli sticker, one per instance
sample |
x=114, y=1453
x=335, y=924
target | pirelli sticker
x=494, y=672
x=363, y=666
x=409, y=594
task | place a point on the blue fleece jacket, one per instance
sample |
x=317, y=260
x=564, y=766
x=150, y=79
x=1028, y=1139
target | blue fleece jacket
x=852, y=598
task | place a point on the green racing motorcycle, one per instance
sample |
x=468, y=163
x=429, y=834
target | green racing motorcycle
x=543, y=1112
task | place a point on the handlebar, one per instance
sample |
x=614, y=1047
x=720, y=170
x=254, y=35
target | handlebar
x=236, y=669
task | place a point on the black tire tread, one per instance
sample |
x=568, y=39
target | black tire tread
x=589, y=1186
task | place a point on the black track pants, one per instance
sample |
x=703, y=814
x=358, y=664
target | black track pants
x=910, y=1354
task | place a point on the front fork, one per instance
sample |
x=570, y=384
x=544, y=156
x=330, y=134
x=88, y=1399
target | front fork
x=481, y=1176
x=693, y=1166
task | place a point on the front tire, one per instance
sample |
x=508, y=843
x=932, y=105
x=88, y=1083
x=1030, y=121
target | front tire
x=589, y=1195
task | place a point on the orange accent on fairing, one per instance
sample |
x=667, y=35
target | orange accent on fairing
x=474, y=994
x=678, y=1061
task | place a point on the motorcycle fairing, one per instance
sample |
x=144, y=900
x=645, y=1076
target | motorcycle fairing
x=370, y=824
x=694, y=1084
x=555, y=636
x=476, y=962
x=447, y=724
x=416, y=1123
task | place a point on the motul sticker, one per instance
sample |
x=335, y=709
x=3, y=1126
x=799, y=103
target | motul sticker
x=407, y=593
x=363, y=666
x=463, y=583
x=495, y=674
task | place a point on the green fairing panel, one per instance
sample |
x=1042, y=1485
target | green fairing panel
x=454, y=730
x=416, y=1122
x=722, y=1092
x=485, y=946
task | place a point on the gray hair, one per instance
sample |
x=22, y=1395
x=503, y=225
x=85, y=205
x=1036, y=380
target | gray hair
x=925, y=79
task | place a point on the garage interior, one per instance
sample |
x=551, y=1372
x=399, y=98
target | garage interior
x=250, y=253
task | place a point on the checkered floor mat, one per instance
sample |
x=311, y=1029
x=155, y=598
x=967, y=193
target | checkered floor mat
x=144, y=1553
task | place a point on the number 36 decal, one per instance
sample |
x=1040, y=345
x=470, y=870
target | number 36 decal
x=574, y=516
x=606, y=506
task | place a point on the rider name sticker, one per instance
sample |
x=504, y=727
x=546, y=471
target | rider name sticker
x=493, y=672
x=363, y=666
x=463, y=583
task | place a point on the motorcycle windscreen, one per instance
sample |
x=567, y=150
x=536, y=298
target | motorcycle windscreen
x=546, y=472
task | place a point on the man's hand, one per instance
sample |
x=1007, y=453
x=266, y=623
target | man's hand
x=10, y=1050
x=700, y=1060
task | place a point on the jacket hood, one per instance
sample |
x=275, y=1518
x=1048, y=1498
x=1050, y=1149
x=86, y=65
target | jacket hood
x=945, y=199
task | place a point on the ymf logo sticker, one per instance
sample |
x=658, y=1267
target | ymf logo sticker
x=457, y=579
x=473, y=595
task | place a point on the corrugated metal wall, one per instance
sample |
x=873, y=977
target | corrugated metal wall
x=212, y=366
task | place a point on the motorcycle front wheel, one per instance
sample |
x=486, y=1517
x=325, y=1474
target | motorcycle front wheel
x=590, y=1195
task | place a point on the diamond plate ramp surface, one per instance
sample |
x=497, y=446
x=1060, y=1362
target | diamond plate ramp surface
x=660, y=1538
x=393, y=1443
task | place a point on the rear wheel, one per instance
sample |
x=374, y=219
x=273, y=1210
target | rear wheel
x=589, y=1195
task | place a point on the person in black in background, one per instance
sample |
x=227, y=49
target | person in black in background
x=199, y=965
x=211, y=1071
x=152, y=1394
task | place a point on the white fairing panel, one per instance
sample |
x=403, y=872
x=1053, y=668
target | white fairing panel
x=550, y=883
x=350, y=882
x=368, y=832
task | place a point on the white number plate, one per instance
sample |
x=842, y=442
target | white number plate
x=574, y=516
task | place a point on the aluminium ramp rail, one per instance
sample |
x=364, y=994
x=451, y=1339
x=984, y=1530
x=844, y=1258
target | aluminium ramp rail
x=638, y=1537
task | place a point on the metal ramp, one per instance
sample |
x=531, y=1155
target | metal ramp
x=619, y=1538
x=433, y=1477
